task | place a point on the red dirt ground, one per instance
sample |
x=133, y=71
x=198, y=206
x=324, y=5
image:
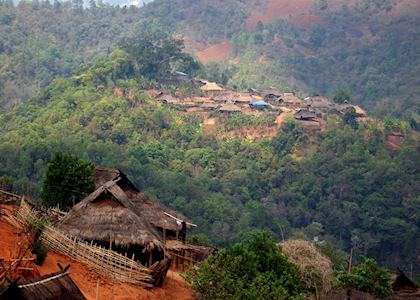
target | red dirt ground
x=86, y=280
x=215, y=53
x=279, y=9
x=12, y=240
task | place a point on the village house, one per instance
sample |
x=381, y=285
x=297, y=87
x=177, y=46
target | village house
x=305, y=115
x=212, y=88
x=170, y=227
x=272, y=95
x=229, y=108
x=209, y=106
x=108, y=218
x=260, y=105
x=167, y=98
x=291, y=100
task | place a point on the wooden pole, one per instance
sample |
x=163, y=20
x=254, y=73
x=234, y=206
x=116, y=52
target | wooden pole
x=110, y=231
x=97, y=289
x=350, y=259
x=150, y=258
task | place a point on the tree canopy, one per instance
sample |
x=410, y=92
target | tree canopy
x=67, y=181
x=253, y=269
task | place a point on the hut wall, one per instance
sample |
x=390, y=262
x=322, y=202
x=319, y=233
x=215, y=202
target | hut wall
x=102, y=260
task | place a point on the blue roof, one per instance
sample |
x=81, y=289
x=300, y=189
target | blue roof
x=259, y=103
x=181, y=73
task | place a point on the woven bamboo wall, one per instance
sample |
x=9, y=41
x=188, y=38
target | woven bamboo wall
x=102, y=260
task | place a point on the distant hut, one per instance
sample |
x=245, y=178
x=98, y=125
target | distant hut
x=242, y=99
x=259, y=105
x=167, y=98
x=222, y=98
x=108, y=218
x=53, y=286
x=319, y=102
x=291, y=100
x=253, y=91
x=272, y=95
x=304, y=114
x=212, y=87
x=209, y=106
x=229, y=108
x=170, y=224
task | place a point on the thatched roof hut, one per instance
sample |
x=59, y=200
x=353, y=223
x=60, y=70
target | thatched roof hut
x=161, y=217
x=305, y=114
x=229, y=108
x=212, y=87
x=53, y=286
x=108, y=216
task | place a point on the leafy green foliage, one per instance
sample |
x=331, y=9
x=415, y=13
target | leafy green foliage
x=154, y=57
x=341, y=95
x=349, y=181
x=199, y=239
x=349, y=118
x=368, y=277
x=67, y=181
x=254, y=269
x=40, y=252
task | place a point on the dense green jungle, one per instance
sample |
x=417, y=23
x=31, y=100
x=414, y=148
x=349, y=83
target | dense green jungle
x=60, y=64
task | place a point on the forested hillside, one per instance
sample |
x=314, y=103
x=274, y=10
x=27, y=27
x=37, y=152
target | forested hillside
x=40, y=41
x=345, y=186
x=368, y=48
x=77, y=78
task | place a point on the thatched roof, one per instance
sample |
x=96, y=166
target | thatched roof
x=212, y=86
x=108, y=215
x=230, y=108
x=158, y=215
x=210, y=105
x=197, y=253
x=304, y=114
x=54, y=286
x=104, y=175
x=243, y=98
x=151, y=211
x=272, y=91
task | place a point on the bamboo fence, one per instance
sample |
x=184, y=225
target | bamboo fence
x=103, y=261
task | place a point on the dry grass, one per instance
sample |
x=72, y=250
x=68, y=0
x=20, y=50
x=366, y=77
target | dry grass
x=316, y=269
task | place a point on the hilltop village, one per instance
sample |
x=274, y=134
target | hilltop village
x=215, y=100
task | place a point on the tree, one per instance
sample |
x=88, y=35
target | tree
x=341, y=95
x=67, y=181
x=153, y=55
x=349, y=118
x=254, y=269
x=368, y=277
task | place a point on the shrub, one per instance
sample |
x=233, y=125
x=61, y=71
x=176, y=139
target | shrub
x=368, y=277
x=255, y=269
x=40, y=251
